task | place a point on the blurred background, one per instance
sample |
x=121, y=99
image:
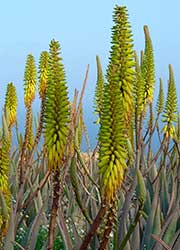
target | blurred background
x=83, y=29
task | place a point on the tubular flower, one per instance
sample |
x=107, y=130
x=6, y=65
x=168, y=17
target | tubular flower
x=11, y=104
x=148, y=67
x=43, y=73
x=57, y=108
x=29, y=81
x=138, y=89
x=170, y=113
x=5, y=196
x=112, y=153
x=121, y=63
x=160, y=101
x=99, y=87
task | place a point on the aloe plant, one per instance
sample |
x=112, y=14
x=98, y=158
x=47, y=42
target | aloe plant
x=29, y=96
x=122, y=195
x=56, y=126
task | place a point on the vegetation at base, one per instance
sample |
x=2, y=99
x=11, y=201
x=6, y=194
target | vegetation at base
x=122, y=195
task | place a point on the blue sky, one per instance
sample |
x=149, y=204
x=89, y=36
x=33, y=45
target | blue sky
x=84, y=30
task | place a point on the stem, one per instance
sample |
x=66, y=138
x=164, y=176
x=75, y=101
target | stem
x=94, y=227
x=39, y=131
x=108, y=227
x=54, y=209
x=39, y=188
x=24, y=146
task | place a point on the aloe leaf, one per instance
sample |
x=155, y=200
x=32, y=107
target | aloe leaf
x=153, y=172
x=157, y=221
x=164, y=194
x=10, y=236
x=147, y=240
x=147, y=204
x=31, y=242
x=141, y=188
x=177, y=242
x=150, y=188
x=157, y=224
x=175, y=239
x=75, y=185
x=161, y=243
x=135, y=239
x=130, y=230
x=171, y=229
x=64, y=230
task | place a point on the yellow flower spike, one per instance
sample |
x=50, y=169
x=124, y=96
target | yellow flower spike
x=29, y=81
x=148, y=71
x=121, y=65
x=10, y=105
x=43, y=73
x=5, y=196
x=170, y=113
x=117, y=107
x=57, y=108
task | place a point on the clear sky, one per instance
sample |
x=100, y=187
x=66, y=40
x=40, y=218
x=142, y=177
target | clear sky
x=83, y=29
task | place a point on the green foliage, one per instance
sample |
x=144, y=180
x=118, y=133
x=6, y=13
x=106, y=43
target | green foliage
x=56, y=108
x=170, y=112
x=29, y=80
